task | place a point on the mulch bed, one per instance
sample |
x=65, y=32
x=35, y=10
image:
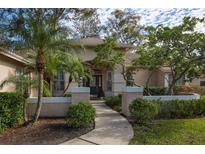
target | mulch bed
x=44, y=132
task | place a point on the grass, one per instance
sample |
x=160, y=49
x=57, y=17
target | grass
x=180, y=131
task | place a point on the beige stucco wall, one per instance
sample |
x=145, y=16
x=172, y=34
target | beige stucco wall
x=7, y=69
x=141, y=76
x=86, y=54
x=196, y=82
x=49, y=109
x=118, y=80
x=34, y=91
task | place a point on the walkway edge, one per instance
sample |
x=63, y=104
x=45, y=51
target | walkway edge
x=111, y=128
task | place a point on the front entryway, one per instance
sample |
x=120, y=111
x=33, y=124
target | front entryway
x=96, y=89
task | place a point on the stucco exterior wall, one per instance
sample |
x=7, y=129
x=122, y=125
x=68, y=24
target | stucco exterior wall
x=141, y=76
x=7, y=69
x=34, y=91
x=160, y=78
x=196, y=82
x=86, y=54
x=118, y=82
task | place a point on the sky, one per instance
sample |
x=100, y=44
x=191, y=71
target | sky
x=166, y=17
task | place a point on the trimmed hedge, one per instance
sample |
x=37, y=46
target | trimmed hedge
x=11, y=110
x=181, y=109
x=141, y=111
x=114, y=102
x=156, y=90
x=80, y=115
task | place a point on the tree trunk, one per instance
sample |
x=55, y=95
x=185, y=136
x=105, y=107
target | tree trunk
x=40, y=67
x=171, y=88
x=40, y=95
x=51, y=85
x=24, y=111
x=26, y=95
x=69, y=82
x=147, y=83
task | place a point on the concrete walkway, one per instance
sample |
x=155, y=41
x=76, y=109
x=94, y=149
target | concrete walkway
x=111, y=129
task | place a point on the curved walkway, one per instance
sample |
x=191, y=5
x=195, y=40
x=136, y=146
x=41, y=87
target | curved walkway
x=111, y=129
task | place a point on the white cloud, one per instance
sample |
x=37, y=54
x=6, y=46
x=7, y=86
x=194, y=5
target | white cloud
x=167, y=17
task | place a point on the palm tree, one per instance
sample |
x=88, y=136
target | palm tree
x=52, y=62
x=38, y=31
x=23, y=83
x=76, y=69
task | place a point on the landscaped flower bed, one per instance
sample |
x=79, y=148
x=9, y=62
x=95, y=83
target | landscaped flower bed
x=45, y=131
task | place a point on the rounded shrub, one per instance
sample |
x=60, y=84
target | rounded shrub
x=81, y=114
x=11, y=110
x=143, y=110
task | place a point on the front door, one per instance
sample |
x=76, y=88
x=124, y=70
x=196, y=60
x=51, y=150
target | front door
x=96, y=89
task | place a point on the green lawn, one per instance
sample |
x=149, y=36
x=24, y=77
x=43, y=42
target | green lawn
x=186, y=131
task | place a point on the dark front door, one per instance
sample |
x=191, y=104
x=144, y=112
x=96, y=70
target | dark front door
x=96, y=86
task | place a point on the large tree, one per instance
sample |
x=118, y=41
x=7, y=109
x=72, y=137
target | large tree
x=124, y=26
x=37, y=31
x=85, y=22
x=181, y=48
x=108, y=54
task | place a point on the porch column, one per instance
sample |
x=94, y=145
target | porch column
x=128, y=95
x=80, y=94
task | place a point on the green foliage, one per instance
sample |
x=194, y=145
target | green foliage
x=143, y=111
x=11, y=110
x=108, y=55
x=180, y=48
x=23, y=83
x=202, y=97
x=35, y=32
x=80, y=115
x=124, y=27
x=85, y=22
x=115, y=102
x=181, y=108
x=70, y=63
x=156, y=90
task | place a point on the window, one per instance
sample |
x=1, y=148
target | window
x=109, y=81
x=19, y=71
x=168, y=80
x=202, y=83
x=59, y=83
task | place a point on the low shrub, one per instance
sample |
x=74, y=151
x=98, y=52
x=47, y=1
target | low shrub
x=114, y=102
x=155, y=90
x=143, y=110
x=11, y=110
x=146, y=110
x=202, y=97
x=181, y=109
x=80, y=115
